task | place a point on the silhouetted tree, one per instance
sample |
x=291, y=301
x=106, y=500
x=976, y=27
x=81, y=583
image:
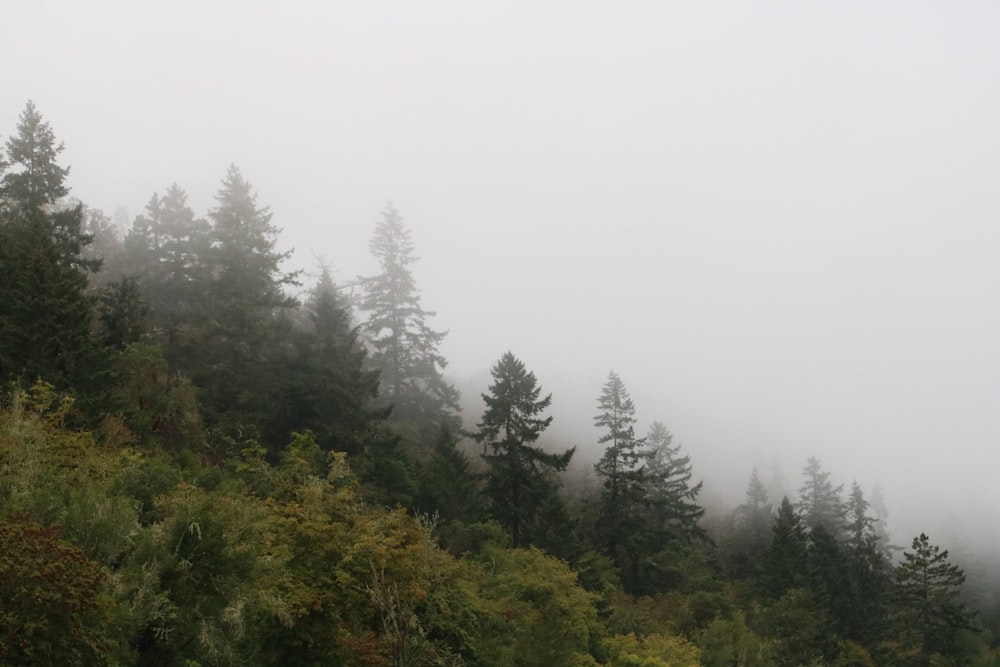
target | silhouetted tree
x=928, y=615
x=520, y=476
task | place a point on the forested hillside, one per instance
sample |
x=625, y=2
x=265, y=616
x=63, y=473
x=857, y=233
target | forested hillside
x=208, y=460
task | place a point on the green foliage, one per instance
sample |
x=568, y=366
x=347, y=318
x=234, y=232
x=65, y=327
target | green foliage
x=536, y=615
x=652, y=651
x=728, y=642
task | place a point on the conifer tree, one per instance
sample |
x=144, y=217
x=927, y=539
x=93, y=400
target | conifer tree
x=247, y=315
x=785, y=562
x=819, y=501
x=672, y=498
x=328, y=387
x=46, y=316
x=868, y=572
x=928, y=615
x=624, y=523
x=751, y=532
x=520, y=476
x=168, y=249
x=404, y=347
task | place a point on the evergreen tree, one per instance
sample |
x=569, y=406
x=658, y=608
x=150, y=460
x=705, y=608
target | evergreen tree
x=404, y=347
x=868, y=572
x=622, y=467
x=751, y=532
x=819, y=501
x=248, y=315
x=520, y=477
x=46, y=317
x=327, y=386
x=928, y=615
x=675, y=511
x=448, y=485
x=786, y=560
x=168, y=249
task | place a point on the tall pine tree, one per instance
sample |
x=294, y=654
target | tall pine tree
x=45, y=322
x=521, y=481
x=624, y=502
x=672, y=497
x=404, y=347
x=928, y=614
x=247, y=318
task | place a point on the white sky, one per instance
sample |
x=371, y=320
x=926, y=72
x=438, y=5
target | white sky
x=777, y=221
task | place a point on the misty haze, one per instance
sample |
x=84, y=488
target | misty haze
x=499, y=334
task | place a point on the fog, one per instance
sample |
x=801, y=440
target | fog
x=776, y=221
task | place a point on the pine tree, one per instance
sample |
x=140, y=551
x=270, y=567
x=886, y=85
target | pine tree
x=819, y=501
x=624, y=497
x=247, y=316
x=404, y=347
x=928, y=614
x=46, y=319
x=751, y=531
x=520, y=477
x=672, y=498
x=786, y=560
x=328, y=387
x=868, y=572
x=168, y=249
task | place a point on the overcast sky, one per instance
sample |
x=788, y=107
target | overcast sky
x=776, y=221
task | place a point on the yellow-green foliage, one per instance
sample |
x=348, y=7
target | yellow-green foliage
x=653, y=650
x=536, y=613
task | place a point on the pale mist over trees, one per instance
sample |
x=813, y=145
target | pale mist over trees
x=251, y=413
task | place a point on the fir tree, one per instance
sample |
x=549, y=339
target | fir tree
x=46, y=319
x=520, y=477
x=786, y=560
x=168, y=249
x=404, y=347
x=623, y=519
x=928, y=614
x=247, y=316
x=819, y=501
x=672, y=498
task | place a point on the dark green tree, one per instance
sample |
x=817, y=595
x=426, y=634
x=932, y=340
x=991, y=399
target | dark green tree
x=928, y=615
x=404, y=347
x=45, y=322
x=672, y=498
x=448, y=485
x=622, y=468
x=520, y=481
x=247, y=317
x=786, y=560
x=327, y=386
x=819, y=501
x=750, y=534
x=868, y=572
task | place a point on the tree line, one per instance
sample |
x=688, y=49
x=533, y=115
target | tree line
x=205, y=462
